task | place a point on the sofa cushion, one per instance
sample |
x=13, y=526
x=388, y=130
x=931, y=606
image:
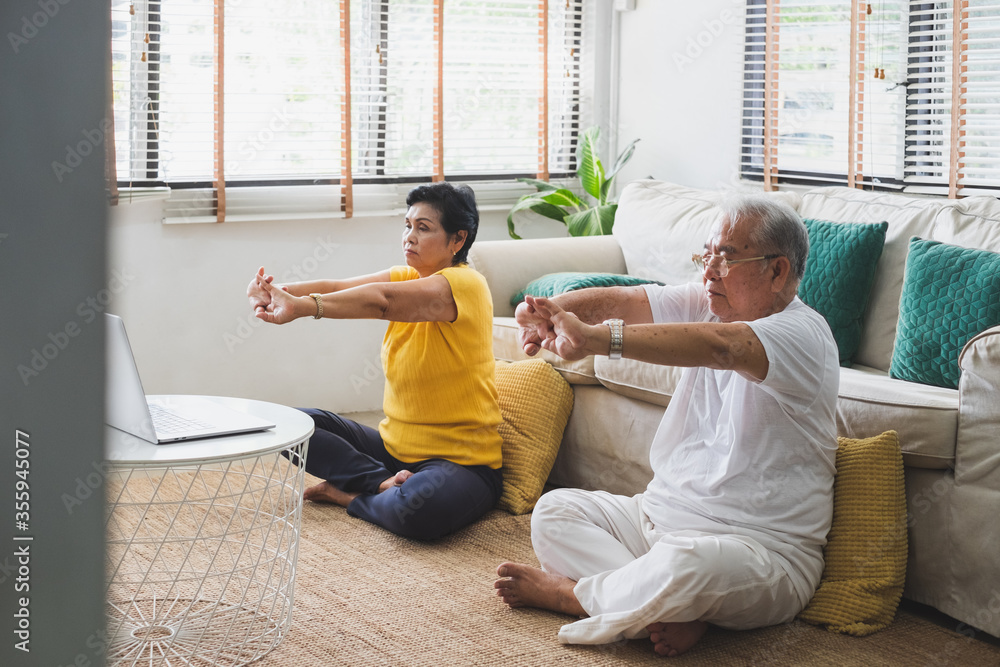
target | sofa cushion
x=552, y=284
x=535, y=404
x=907, y=217
x=506, y=348
x=839, y=274
x=653, y=383
x=925, y=417
x=977, y=224
x=659, y=225
x=865, y=553
x=950, y=294
x=606, y=443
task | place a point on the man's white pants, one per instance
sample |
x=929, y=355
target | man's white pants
x=630, y=573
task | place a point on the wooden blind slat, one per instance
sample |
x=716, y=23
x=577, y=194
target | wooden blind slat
x=960, y=15
x=855, y=136
x=771, y=95
x=346, y=179
x=438, y=162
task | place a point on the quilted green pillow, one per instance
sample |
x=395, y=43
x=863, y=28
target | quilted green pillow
x=839, y=275
x=557, y=283
x=950, y=294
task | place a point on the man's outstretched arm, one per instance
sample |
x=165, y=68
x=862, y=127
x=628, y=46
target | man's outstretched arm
x=592, y=306
x=719, y=345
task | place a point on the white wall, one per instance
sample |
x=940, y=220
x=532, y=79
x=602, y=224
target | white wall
x=681, y=90
x=181, y=289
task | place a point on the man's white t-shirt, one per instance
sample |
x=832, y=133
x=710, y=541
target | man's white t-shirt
x=733, y=455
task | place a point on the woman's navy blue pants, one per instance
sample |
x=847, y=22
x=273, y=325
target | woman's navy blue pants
x=440, y=498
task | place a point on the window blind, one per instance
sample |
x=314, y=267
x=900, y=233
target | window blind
x=236, y=105
x=893, y=94
x=980, y=80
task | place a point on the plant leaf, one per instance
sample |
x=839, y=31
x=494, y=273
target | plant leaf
x=623, y=158
x=592, y=222
x=561, y=197
x=590, y=171
x=531, y=202
x=543, y=186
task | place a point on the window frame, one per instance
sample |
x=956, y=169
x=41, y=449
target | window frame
x=919, y=126
x=379, y=193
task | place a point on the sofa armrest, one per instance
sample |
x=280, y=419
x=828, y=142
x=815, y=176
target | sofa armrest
x=510, y=265
x=972, y=535
x=977, y=446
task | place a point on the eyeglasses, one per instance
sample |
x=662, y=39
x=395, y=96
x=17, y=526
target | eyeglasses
x=721, y=264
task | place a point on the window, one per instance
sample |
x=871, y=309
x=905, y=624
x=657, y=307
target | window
x=905, y=97
x=253, y=108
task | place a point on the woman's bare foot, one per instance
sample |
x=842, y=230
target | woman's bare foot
x=672, y=639
x=395, y=480
x=324, y=492
x=522, y=585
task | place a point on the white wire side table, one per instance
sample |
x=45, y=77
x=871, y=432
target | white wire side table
x=202, y=541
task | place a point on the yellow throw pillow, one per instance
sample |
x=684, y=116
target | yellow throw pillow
x=866, y=547
x=535, y=402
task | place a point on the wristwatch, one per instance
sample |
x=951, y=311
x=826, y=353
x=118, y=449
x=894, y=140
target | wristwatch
x=617, y=337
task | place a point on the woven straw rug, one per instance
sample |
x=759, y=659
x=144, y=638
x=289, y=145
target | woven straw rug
x=366, y=597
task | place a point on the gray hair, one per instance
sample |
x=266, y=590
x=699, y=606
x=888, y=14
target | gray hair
x=779, y=229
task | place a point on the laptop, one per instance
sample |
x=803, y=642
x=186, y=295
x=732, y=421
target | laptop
x=127, y=408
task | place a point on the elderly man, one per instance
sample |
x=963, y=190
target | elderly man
x=730, y=531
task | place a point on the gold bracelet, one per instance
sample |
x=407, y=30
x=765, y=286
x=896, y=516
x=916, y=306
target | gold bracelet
x=318, y=298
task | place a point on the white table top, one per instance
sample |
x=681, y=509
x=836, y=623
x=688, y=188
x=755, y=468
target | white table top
x=291, y=427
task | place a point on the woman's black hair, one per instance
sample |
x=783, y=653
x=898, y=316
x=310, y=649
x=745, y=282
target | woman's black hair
x=458, y=210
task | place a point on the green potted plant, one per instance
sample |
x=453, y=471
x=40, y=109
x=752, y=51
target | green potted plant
x=582, y=218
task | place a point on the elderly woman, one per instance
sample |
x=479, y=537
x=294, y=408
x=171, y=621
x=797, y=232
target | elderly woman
x=433, y=465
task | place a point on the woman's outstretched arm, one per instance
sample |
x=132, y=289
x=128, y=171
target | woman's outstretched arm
x=421, y=300
x=260, y=297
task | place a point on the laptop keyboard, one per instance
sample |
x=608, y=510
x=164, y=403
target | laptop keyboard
x=166, y=422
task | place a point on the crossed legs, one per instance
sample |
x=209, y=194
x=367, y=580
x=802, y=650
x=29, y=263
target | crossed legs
x=601, y=556
x=422, y=500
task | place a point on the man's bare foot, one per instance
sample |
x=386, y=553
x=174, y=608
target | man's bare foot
x=672, y=639
x=395, y=480
x=324, y=492
x=526, y=586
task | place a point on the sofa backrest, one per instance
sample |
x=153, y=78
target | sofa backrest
x=658, y=225
x=926, y=217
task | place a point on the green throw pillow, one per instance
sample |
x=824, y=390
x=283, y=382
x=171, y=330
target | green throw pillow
x=839, y=275
x=557, y=283
x=950, y=294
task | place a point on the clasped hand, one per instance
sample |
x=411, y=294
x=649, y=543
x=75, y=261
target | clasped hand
x=270, y=303
x=542, y=324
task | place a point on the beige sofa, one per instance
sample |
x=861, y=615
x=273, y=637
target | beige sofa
x=950, y=438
